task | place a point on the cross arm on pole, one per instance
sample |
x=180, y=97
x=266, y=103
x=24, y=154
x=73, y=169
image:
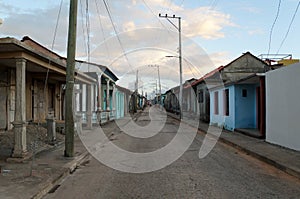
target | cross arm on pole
x=168, y=18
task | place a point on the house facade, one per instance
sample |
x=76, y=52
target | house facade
x=123, y=96
x=239, y=103
x=171, y=100
x=32, y=87
x=201, y=89
x=97, y=104
x=189, y=97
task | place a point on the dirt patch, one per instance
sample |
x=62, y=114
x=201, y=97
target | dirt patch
x=36, y=138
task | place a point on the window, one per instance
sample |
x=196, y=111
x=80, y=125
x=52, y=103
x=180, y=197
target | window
x=216, y=96
x=226, y=102
x=244, y=93
x=200, y=96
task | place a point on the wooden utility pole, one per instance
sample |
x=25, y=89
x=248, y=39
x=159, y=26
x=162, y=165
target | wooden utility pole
x=69, y=114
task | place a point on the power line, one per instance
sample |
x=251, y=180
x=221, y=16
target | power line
x=56, y=26
x=154, y=14
x=53, y=42
x=115, y=29
x=214, y=4
x=271, y=31
x=170, y=4
x=83, y=29
x=289, y=28
x=101, y=26
x=181, y=4
x=87, y=21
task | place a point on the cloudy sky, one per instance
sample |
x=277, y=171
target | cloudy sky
x=132, y=37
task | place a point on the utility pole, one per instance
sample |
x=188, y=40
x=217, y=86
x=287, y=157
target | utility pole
x=180, y=54
x=135, y=94
x=71, y=50
x=158, y=74
x=137, y=81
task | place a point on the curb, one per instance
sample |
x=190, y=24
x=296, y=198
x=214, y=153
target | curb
x=262, y=158
x=256, y=155
x=68, y=168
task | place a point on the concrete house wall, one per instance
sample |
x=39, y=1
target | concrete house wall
x=203, y=102
x=245, y=105
x=242, y=111
x=26, y=96
x=243, y=74
x=220, y=119
x=7, y=98
x=120, y=104
x=40, y=99
x=282, y=104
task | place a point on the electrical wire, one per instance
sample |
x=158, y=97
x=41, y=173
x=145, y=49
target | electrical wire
x=102, y=28
x=272, y=28
x=53, y=42
x=289, y=28
x=170, y=5
x=115, y=30
x=83, y=29
x=56, y=26
x=147, y=6
x=87, y=20
x=181, y=4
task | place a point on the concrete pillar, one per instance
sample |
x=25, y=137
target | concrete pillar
x=99, y=105
x=78, y=124
x=89, y=107
x=51, y=128
x=107, y=100
x=107, y=96
x=20, y=111
x=114, y=111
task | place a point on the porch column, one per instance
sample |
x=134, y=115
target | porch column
x=107, y=100
x=107, y=95
x=114, y=100
x=99, y=104
x=20, y=111
x=89, y=107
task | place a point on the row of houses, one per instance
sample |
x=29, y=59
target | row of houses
x=249, y=95
x=32, y=88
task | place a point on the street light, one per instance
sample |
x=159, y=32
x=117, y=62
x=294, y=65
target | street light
x=157, y=66
x=180, y=53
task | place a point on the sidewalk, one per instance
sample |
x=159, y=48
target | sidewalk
x=282, y=158
x=33, y=179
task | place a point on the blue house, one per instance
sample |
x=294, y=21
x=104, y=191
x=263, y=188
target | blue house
x=122, y=98
x=238, y=101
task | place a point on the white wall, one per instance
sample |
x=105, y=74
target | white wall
x=282, y=106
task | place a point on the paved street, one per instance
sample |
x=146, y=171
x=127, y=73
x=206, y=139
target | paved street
x=224, y=173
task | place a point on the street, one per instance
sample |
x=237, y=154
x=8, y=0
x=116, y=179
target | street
x=224, y=173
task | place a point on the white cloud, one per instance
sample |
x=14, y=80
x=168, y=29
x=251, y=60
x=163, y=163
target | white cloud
x=206, y=23
x=256, y=32
x=143, y=37
x=129, y=26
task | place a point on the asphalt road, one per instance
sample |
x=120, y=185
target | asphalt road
x=223, y=173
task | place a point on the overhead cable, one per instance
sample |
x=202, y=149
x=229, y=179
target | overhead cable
x=272, y=28
x=289, y=28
